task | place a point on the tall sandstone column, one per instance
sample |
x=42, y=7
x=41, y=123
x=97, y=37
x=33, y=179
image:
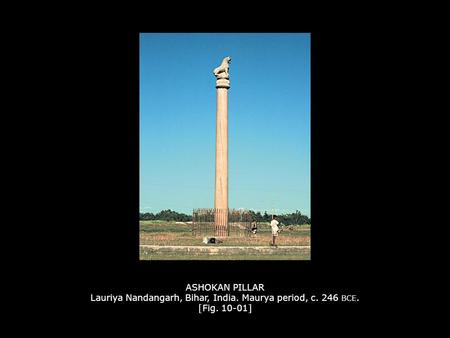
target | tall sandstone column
x=221, y=192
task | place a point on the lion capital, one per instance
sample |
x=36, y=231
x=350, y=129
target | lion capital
x=222, y=72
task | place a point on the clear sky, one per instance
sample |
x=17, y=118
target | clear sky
x=268, y=121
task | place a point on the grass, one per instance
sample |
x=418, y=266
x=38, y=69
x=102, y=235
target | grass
x=164, y=233
x=170, y=233
x=261, y=257
x=158, y=238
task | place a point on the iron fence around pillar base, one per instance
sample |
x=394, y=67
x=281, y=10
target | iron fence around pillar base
x=221, y=222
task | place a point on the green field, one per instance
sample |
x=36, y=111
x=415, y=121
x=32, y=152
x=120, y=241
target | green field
x=179, y=234
x=174, y=256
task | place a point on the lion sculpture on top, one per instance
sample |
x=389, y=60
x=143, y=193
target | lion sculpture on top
x=221, y=72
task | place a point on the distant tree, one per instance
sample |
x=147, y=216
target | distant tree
x=170, y=215
x=258, y=217
x=166, y=215
x=252, y=214
x=146, y=216
x=294, y=218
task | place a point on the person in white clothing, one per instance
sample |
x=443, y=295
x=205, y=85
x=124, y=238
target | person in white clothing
x=275, y=230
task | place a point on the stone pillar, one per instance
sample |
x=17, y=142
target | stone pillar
x=221, y=186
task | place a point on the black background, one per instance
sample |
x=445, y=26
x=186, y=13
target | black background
x=100, y=97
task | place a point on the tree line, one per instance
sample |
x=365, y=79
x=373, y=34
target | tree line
x=165, y=215
x=286, y=219
x=170, y=215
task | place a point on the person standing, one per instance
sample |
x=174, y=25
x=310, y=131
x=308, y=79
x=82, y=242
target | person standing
x=275, y=230
x=254, y=227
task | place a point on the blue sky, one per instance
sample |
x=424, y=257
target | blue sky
x=268, y=120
